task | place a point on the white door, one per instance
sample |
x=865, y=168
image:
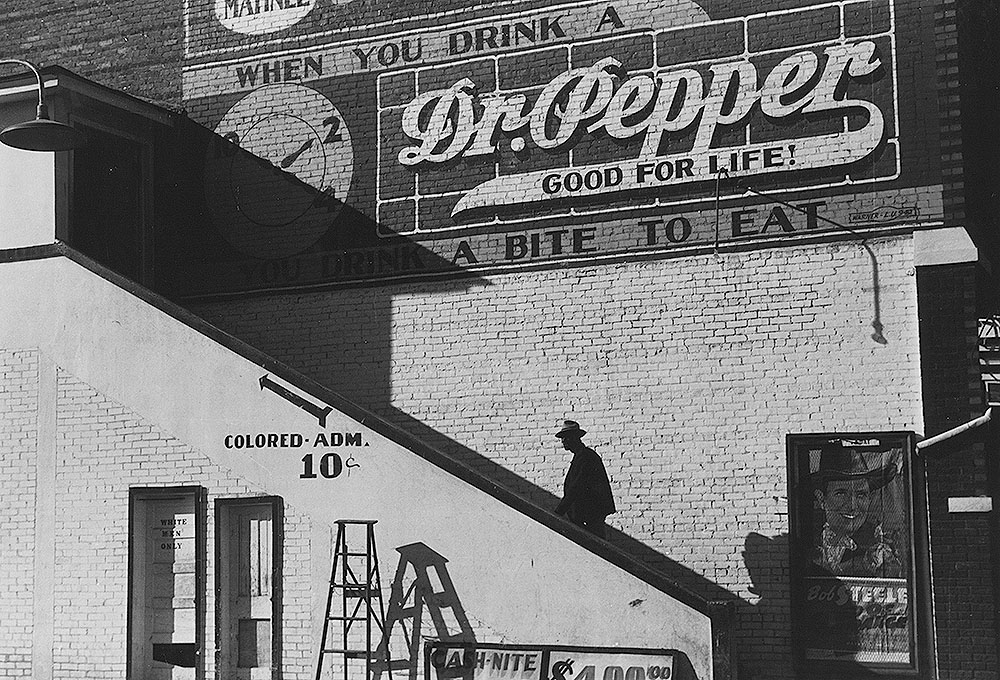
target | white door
x=247, y=606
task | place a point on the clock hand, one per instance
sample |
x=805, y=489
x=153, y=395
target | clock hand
x=292, y=157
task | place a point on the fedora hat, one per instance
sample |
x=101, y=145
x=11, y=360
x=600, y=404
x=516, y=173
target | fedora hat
x=839, y=463
x=570, y=428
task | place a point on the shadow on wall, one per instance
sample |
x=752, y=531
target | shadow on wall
x=232, y=222
x=545, y=499
x=426, y=611
x=346, y=345
x=421, y=587
x=765, y=622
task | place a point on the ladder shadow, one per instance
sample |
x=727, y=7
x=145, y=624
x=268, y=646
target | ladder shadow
x=421, y=586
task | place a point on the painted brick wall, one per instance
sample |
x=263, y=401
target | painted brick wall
x=682, y=369
x=419, y=199
x=687, y=373
x=103, y=449
x=18, y=430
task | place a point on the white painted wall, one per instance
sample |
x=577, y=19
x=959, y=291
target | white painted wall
x=518, y=579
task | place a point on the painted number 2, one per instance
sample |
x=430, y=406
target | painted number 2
x=333, y=135
x=330, y=466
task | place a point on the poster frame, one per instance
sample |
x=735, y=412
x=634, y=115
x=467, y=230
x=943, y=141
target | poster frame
x=921, y=642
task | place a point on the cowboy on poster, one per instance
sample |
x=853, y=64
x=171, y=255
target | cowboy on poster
x=854, y=599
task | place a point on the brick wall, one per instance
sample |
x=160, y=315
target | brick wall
x=419, y=198
x=949, y=110
x=963, y=545
x=687, y=373
x=134, y=47
x=102, y=450
x=18, y=429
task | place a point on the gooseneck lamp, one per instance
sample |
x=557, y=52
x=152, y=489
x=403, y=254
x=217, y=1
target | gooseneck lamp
x=43, y=133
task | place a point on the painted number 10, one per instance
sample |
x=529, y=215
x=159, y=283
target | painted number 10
x=330, y=466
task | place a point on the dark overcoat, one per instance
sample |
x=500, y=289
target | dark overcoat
x=586, y=491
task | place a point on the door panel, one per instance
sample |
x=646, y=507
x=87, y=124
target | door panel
x=248, y=599
x=164, y=611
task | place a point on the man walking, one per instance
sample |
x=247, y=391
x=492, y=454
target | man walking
x=587, y=498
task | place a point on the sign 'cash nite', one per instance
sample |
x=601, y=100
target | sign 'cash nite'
x=650, y=114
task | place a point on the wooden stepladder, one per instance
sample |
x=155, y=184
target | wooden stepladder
x=354, y=605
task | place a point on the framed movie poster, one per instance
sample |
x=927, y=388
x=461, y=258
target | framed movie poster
x=854, y=558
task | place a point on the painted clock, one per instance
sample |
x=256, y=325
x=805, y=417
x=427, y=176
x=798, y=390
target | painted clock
x=279, y=171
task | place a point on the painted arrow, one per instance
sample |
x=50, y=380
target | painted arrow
x=320, y=412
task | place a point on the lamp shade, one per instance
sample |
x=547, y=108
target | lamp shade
x=42, y=135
